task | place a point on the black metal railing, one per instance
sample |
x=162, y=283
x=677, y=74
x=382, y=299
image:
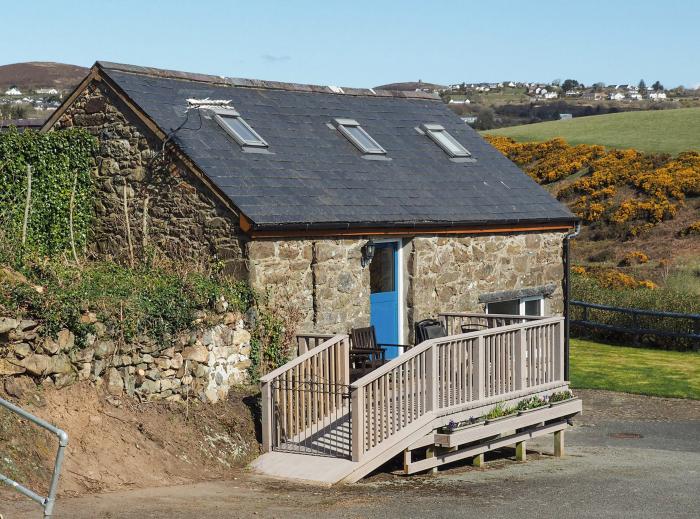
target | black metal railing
x=669, y=329
x=311, y=417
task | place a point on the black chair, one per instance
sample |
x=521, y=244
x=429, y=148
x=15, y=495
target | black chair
x=366, y=354
x=429, y=329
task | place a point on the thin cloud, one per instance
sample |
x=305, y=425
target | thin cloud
x=273, y=58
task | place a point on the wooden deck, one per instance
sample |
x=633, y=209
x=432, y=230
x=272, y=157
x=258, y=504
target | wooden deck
x=319, y=427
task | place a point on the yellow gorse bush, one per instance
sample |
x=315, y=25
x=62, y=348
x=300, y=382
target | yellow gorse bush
x=658, y=183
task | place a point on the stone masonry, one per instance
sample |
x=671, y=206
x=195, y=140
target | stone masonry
x=180, y=216
x=203, y=363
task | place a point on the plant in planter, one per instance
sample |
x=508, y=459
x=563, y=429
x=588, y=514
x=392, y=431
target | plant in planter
x=453, y=426
x=530, y=404
x=560, y=396
x=500, y=411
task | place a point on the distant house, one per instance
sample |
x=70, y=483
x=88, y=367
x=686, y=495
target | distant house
x=616, y=96
x=635, y=96
x=657, y=96
x=510, y=84
x=550, y=95
x=459, y=101
x=593, y=96
x=469, y=119
x=13, y=91
x=565, y=117
x=572, y=93
x=47, y=91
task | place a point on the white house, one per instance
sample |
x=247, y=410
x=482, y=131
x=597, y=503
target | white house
x=47, y=91
x=657, y=96
x=14, y=91
x=616, y=96
x=459, y=102
x=635, y=96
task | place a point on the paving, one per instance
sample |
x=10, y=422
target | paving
x=628, y=456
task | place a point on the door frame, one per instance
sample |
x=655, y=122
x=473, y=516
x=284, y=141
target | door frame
x=399, y=286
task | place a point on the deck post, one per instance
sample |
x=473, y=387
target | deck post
x=357, y=431
x=559, y=444
x=345, y=361
x=519, y=360
x=430, y=453
x=478, y=357
x=559, y=351
x=266, y=391
x=521, y=451
x=433, y=380
x=478, y=460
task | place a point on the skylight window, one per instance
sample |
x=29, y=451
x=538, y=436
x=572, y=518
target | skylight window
x=359, y=137
x=443, y=139
x=232, y=122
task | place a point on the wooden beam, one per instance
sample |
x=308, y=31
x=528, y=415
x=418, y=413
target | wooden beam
x=407, y=231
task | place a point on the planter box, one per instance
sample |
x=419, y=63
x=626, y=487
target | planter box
x=555, y=404
x=528, y=411
x=496, y=420
x=478, y=423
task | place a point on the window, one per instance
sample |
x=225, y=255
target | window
x=524, y=306
x=232, y=122
x=443, y=139
x=359, y=137
x=381, y=269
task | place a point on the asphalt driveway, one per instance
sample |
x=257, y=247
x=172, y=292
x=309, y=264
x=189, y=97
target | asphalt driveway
x=628, y=456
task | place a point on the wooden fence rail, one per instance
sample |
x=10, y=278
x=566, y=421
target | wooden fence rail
x=637, y=323
x=442, y=375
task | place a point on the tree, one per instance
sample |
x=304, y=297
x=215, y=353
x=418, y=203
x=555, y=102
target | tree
x=642, y=86
x=657, y=86
x=556, y=82
x=570, y=84
x=598, y=87
x=486, y=119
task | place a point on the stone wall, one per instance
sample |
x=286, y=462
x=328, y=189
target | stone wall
x=203, y=363
x=183, y=219
x=450, y=273
x=323, y=278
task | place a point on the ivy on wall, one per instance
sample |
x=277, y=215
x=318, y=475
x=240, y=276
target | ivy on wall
x=61, y=165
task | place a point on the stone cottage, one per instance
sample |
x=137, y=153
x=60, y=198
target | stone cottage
x=357, y=205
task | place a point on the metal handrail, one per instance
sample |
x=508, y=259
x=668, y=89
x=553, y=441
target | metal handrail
x=46, y=502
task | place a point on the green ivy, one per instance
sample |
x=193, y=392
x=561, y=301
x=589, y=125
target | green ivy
x=55, y=158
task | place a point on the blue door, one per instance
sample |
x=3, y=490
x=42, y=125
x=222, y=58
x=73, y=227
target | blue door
x=384, y=295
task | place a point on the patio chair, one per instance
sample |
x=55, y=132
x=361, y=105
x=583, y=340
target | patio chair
x=366, y=353
x=429, y=329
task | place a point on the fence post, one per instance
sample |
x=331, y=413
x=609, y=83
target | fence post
x=559, y=350
x=357, y=422
x=267, y=411
x=433, y=379
x=478, y=358
x=520, y=368
x=345, y=360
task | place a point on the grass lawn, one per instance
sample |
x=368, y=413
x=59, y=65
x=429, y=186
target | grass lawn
x=654, y=131
x=634, y=370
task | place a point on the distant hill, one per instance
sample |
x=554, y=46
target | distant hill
x=410, y=86
x=38, y=74
x=653, y=131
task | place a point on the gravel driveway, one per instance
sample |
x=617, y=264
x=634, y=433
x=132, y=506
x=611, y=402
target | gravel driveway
x=628, y=456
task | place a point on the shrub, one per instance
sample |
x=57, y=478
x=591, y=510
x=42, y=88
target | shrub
x=634, y=258
x=61, y=165
x=692, y=230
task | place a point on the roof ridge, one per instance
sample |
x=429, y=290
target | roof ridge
x=259, y=83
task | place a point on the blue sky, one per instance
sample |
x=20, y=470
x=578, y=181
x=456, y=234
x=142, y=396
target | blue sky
x=368, y=43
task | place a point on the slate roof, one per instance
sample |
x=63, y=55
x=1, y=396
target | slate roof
x=315, y=177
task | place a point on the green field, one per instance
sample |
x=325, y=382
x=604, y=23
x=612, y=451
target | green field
x=635, y=370
x=654, y=131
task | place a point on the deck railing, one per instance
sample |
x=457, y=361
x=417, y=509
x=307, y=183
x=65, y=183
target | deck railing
x=435, y=378
x=455, y=321
x=446, y=374
x=295, y=409
x=308, y=341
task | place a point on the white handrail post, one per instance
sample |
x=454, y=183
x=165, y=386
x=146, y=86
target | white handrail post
x=478, y=356
x=520, y=367
x=357, y=404
x=431, y=372
x=345, y=361
x=559, y=350
x=266, y=391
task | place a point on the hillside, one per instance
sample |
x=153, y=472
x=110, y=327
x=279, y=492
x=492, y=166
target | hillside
x=652, y=131
x=38, y=74
x=410, y=86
